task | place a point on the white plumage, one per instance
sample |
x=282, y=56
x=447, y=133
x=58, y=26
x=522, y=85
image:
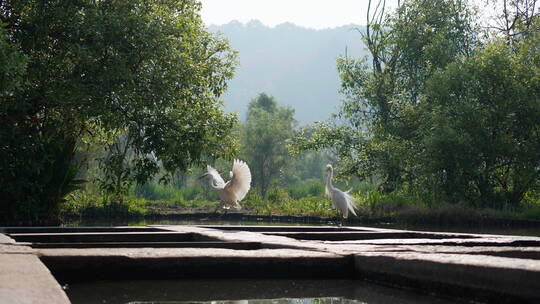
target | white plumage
x=234, y=190
x=342, y=201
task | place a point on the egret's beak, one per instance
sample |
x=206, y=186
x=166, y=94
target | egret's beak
x=203, y=176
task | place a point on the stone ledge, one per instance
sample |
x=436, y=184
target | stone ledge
x=163, y=263
x=24, y=280
x=478, y=275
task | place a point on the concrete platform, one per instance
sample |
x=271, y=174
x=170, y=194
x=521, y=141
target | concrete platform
x=24, y=279
x=488, y=268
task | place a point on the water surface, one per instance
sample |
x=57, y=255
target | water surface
x=244, y=291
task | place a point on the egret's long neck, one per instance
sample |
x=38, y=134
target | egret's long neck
x=329, y=179
x=212, y=184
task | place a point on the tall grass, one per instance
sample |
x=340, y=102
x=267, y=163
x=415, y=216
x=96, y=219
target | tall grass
x=279, y=201
x=313, y=188
x=85, y=203
x=378, y=204
x=294, y=200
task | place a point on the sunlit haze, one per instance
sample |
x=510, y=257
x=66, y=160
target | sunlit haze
x=296, y=66
x=305, y=13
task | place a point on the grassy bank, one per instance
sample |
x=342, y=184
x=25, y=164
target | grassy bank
x=305, y=201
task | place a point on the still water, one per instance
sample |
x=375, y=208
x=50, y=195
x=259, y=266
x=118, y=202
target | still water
x=243, y=291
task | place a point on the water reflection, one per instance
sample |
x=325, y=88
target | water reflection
x=243, y=291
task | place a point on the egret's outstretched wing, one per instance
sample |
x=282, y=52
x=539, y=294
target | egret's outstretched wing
x=216, y=178
x=240, y=181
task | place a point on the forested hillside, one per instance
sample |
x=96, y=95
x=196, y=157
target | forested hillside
x=296, y=65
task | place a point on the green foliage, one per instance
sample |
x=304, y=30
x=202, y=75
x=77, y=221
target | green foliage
x=152, y=191
x=532, y=212
x=278, y=202
x=77, y=203
x=277, y=195
x=34, y=186
x=484, y=141
x=403, y=206
x=307, y=206
x=313, y=188
x=157, y=192
x=145, y=74
x=375, y=203
x=306, y=167
x=440, y=122
x=88, y=204
x=344, y=142
x=13, y=64
x=454, y=122
x=264, y=135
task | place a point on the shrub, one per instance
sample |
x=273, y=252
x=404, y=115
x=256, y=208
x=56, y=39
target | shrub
x=305, y=190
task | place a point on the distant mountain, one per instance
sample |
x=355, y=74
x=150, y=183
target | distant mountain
x=296, y=65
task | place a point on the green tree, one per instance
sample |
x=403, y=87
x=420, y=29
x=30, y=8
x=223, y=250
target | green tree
x=482, y=119
x=307, y=166
x=457, y=121
x=375, y=131
x=268, y=127
x=12, y=64
x=148, y=69
x=382, y=97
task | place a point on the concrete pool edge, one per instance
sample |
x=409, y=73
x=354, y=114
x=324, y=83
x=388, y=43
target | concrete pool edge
x=24, y=278
x=390, y=261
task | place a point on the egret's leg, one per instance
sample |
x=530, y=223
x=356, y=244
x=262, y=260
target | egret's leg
x=338, y=221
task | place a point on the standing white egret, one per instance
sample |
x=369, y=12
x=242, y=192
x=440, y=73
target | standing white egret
x=342, y=201
x=233, y=191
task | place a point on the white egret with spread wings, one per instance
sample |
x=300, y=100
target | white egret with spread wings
x=235, y=189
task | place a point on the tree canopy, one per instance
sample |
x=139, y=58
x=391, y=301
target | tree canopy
x=440, y=106
x=83, y=68
x=268, y=127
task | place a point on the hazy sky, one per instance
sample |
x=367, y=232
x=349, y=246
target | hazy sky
x=315, y=14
